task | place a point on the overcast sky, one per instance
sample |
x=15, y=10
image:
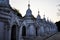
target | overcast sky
x=47, y=7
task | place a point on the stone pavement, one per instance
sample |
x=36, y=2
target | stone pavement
x=53, y=37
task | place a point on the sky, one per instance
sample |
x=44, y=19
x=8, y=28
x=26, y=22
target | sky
x=49, y=8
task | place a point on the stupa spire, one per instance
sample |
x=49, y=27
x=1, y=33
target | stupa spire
x=38, y=11
x=38, y=17
x=28, y=12
x=44, y=17
x=47, y=19
x=29, y=4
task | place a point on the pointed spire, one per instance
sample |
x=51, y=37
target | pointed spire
x=38, y=11
x=28, y=12
x=47, y=19
x=38, y=17
x=44, y=17
x=29, y=4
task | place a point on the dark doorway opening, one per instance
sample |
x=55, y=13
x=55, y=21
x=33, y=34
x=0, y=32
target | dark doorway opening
x=13, y=32
x=24, y=31
x=36, y=31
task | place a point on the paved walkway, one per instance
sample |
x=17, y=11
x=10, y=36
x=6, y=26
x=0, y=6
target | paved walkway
x=52, y=37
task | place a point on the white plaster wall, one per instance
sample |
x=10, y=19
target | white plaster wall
x=32, y=31
x=1, y=30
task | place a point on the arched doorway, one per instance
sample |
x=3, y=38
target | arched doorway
x=23, y=31
x=13, y=32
